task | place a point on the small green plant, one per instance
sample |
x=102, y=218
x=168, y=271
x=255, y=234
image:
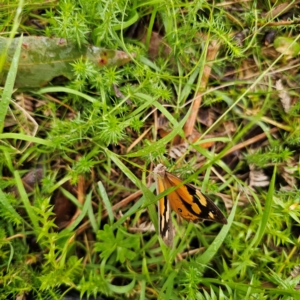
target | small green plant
x=77, y=204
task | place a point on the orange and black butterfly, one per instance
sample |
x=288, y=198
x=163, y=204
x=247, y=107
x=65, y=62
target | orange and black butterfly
x=186, y=200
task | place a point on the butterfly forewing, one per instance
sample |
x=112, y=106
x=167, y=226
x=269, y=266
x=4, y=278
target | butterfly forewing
x=181, y=206
x=194, y=206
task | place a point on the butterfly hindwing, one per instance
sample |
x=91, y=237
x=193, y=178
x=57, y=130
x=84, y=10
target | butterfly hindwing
x=164, y=211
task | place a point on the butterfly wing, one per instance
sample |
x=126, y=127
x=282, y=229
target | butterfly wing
x=164, y=209
x=186, y=200
x=190, y=203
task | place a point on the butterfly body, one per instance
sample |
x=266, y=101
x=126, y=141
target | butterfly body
x=186, y=200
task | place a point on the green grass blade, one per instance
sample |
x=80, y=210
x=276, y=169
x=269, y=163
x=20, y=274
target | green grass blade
x=23, y=137
x=129, y=174
x=86, y=205
x=267, y=211
x=216, y=244
x=9, y=85
x=60, y=89
x=106, y=201
x=24, y=197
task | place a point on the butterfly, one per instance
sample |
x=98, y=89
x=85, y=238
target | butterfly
x=187, y=201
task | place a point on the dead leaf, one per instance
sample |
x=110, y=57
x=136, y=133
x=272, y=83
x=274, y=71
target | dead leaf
x=64, y=209
x=288, y=171
x=32, y=178
x=295, y=272
x=257, y=178
x=283, y=95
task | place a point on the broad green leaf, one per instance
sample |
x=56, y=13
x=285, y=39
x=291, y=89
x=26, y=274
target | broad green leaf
x=123, y=243
x=286, y=46
x=43, y=58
